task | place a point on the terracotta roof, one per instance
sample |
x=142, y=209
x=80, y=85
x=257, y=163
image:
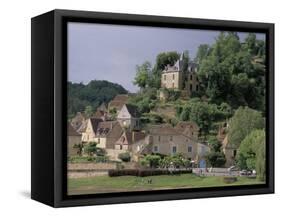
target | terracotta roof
x=71, y=131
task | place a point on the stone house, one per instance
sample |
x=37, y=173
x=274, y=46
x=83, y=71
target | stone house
x=188, y=128
x=108, y=133
x=128, y=138
x=128, y=117
x=73, y=138
x=104, y=133
x=166, y=140
x=179, y=77
x=90, y=132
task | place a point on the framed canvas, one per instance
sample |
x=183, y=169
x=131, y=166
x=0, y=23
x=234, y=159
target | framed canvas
x=133, y=108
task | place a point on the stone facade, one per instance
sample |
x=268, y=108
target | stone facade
x=128, y=117
x=73, y=138
x=179, y=77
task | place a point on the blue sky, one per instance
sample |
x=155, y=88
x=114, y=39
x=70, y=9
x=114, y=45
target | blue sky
x=111, y=52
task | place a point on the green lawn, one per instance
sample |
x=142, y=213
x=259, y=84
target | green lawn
x=102, y=184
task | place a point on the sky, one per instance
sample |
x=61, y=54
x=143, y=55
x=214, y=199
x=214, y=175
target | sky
x=111, y=52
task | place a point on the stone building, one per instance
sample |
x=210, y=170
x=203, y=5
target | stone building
x=182, y=77
x=128, y=117
x=127, y=139
x=73, y=138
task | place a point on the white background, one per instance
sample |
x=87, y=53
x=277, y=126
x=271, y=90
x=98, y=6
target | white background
x=15, y=106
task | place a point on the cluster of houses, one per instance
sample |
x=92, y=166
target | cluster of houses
x=123, y=133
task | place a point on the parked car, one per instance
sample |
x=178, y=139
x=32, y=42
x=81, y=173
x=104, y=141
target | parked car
x=233, y=168
x=245, y=172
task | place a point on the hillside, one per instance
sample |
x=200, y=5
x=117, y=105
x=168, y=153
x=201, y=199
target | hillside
x=92, y=94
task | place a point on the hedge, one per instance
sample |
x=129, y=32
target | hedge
x=146, y=172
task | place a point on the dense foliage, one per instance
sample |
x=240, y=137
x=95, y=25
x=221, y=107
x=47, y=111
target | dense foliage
x=91, y=95
x=252, y=153
x=242, y=123
x=233, y=72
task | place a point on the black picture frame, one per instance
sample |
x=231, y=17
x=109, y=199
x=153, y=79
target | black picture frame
x=49, y=106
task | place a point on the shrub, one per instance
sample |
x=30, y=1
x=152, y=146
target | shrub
x=144, y=172
x=229, y=180
x=125, y=157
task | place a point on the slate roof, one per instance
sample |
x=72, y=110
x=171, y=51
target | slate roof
x=131, y=137
x=133, y=110
x=163, y=129
x=109, y=129
x=95, y=122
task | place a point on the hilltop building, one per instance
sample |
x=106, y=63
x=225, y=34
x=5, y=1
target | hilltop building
x=181, y=76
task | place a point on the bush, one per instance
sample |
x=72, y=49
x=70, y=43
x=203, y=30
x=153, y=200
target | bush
x=146, y=172
x=229, y=180
x=125, y=157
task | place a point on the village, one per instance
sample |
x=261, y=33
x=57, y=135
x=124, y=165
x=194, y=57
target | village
x=121, y=133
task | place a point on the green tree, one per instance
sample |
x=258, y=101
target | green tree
x=91, y=148
x=251, y=153
x=125, y=157
x=89, y=111
x=216, y=159
x=79, y=146
x=152, y=160
x=242, y=123
x=229, y=73
x=202, y=52
x=202, y=113
x=143, y=73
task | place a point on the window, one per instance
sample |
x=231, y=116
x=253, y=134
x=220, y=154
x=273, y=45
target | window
x=191, y=77
x=159, y=138
x=98, y=140
x=155, y=148
x=234, y=153
x=197, y=87
x=173, y=76
x=164, y=77
x=189, y=149
x=173, y=85
x=174, y=149
x=171, y=138
x=190, y=87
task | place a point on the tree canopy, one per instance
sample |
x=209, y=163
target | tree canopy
x=229, y=71
x=251, y=153
x=244, y=121
x=91, y=95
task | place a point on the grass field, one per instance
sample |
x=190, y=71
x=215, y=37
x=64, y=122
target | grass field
x=103, y=184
